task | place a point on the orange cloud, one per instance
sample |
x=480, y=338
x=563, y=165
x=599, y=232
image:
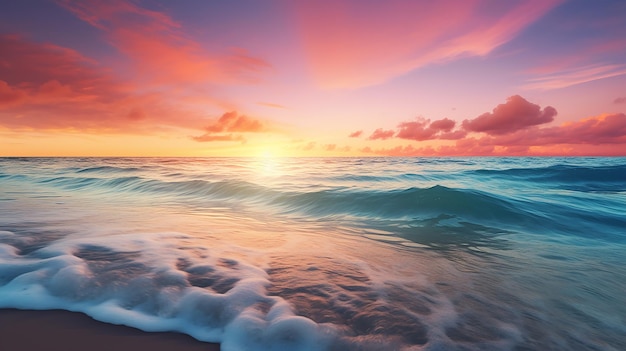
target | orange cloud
x=517, y=113
x=160, y=50
x=354, y=43
x=231, y=122
x=45, y=86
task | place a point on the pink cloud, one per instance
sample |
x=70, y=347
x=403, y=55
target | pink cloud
x=416, y=130
x=514, y=128
x=159, y=48
x=381, y=134
x=517, y=113
x=444, y=124
x=603, y=135
x=356, y=134
x=620, y=100
x=424, y=129
x=353, y=43
x=597, y=130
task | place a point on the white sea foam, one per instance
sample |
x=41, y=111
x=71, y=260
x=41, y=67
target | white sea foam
x=149, y=292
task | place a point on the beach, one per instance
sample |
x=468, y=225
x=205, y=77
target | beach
x=57, y=330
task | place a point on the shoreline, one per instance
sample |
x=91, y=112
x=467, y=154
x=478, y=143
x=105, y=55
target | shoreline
x=59, y=330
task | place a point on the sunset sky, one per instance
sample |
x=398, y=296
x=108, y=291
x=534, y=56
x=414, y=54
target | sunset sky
x=312, y=78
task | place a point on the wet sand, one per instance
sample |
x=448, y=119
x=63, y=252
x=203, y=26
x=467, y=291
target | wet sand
x=68, y=331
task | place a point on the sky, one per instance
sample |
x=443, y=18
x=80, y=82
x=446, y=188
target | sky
x=312, y=78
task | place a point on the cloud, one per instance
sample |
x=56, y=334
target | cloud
x=620, y=100
x=514, y=115
x=351, y=44
x=10, y=96
x=602, y=129
x=159, y=48
x=51, y=88
x=416, y=130
x=423, y=129
x=398, y=151
x=603, y=135
x=419, y=129
x=444, y=125
x=310, y=146
x=381, y=134
x=272, y=105
x=575, y=75
x=231, y=122
x=513, y=128
x=220, y=137
x=330, y=147
x=356, y=134
x=517, y=113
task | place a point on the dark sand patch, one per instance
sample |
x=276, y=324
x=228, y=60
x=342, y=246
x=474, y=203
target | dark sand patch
x=68, y=331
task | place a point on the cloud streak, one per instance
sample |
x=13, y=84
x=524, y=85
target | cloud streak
x=353, y=43
x=575, y=75
x=159, y=48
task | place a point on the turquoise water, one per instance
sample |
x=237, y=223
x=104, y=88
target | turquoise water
x=325, y=253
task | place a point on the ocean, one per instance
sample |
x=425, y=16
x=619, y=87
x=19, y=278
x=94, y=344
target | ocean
x=325, y=253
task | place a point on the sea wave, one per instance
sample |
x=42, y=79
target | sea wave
x=580, y=178
x=325, y=254
x=396, y=203
x=414, y=205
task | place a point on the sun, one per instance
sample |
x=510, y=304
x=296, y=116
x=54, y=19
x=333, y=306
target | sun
x=267, y=154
